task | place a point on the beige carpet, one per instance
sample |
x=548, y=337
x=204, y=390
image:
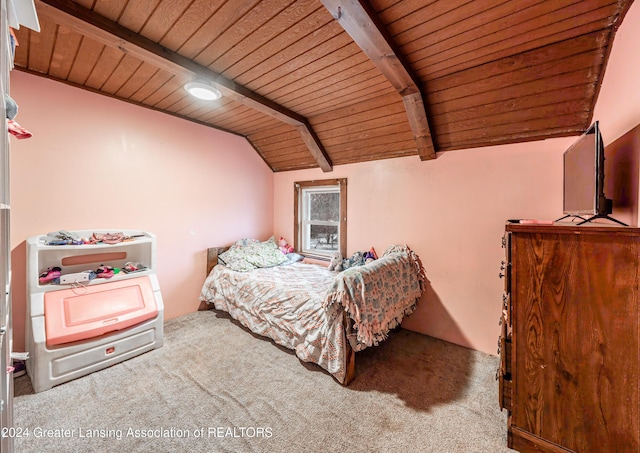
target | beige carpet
x=216, y=387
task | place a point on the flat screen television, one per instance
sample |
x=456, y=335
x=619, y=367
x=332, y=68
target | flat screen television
x=584, y=178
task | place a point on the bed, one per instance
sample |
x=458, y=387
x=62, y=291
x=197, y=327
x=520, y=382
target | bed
x=323, y=316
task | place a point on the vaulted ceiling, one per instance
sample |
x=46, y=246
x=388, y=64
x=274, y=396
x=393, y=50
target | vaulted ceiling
x=319, y=83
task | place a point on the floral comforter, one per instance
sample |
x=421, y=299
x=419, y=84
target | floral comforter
x=284, y=303
x=378, y=295
x=300, y=306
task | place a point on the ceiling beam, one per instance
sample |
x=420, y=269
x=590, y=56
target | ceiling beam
x=109, y=33
x=364, y=27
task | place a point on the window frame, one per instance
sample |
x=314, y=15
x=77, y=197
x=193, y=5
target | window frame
x=298, y=187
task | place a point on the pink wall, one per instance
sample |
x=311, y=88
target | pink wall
x=618, y=105
x=94, y=162
x=622, y=165
x=452, y=210
x=618, y=110
x=196, y=187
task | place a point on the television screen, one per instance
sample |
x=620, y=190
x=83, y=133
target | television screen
x=584, y=179
x=581, y=170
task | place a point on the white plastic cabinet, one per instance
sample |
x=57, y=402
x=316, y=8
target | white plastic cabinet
x=49, y=365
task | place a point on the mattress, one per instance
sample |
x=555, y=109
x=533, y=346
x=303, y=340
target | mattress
x=80, y=313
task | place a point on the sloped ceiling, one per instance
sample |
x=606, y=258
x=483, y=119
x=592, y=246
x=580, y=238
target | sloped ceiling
x=319, y=83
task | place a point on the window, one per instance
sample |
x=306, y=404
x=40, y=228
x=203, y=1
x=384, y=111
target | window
x=320, y=217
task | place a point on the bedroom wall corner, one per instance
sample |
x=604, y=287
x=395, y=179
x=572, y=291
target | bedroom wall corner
x=618, y=111
x=622, y=169
x=98, y=163
x=451, y=211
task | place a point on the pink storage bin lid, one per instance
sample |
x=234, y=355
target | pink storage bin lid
x=83, y=313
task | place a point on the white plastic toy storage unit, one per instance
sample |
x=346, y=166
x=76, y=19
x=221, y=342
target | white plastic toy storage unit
x=102, y=316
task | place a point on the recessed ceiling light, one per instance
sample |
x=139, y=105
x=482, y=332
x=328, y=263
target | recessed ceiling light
x=203, y=91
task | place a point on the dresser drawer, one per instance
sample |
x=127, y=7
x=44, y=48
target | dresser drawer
x=504, y=374
x=505, y=265
x=504, y=392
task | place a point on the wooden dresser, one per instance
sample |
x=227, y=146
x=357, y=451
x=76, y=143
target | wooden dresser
x=569, y=347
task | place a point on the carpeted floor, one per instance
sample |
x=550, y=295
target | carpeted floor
x=216, y=387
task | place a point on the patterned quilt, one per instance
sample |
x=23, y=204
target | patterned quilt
x=284, y=303
x=378, y=295
x=300, y=306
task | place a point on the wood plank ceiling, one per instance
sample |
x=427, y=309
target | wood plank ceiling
x=319, y=83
